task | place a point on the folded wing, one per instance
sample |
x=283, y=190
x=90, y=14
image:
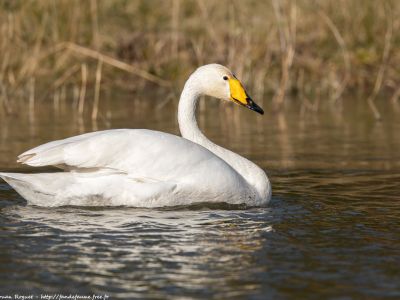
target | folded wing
x=140, y=152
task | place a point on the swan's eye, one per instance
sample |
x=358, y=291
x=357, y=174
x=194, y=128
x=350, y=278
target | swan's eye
x=225, y=77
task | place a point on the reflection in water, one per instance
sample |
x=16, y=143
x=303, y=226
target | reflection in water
x=152, y=249
x=332, y=230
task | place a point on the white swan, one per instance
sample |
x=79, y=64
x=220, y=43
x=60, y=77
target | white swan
x=145, y=168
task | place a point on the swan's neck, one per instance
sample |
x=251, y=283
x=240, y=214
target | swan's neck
x=190, y=130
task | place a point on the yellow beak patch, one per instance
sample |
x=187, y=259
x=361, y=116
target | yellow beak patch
x=238, y=94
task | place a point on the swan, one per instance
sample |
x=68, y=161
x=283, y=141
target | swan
x=146, y=168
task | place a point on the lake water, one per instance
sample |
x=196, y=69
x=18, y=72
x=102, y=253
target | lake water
x=332, y=230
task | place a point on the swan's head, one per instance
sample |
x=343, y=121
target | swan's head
x=218, y=81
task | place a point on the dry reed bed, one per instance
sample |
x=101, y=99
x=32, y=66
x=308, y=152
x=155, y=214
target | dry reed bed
x=69, y=50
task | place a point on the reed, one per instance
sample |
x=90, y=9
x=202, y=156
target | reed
x=283, y=49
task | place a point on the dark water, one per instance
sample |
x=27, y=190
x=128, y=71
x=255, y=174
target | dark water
x=332, y=230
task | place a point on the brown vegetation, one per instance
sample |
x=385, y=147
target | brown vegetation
x=286, y=49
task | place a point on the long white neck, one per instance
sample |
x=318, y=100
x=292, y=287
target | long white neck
x=190, y=130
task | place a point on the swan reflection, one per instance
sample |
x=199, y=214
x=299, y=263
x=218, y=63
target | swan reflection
x=140, y=250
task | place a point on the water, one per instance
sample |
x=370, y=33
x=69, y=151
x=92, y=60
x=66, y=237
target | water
x=332, y=229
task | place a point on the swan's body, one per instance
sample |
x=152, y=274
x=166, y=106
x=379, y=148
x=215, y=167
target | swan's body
x=144, y=168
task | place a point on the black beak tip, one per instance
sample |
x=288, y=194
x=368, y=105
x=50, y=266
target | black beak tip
x=253, y=106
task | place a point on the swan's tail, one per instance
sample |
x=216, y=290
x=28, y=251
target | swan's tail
x=37, y=189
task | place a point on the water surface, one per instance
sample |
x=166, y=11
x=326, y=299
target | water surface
x=331, y=231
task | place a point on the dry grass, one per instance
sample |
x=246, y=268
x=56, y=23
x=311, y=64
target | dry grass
x=284, y=49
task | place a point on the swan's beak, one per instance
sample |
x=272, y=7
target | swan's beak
x=239, y=96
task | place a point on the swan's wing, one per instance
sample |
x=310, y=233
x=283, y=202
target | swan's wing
x=72, y=151
x=144, y=153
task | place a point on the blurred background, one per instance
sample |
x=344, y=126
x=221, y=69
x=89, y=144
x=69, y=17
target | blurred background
x=327, y=75
x=72, y=66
